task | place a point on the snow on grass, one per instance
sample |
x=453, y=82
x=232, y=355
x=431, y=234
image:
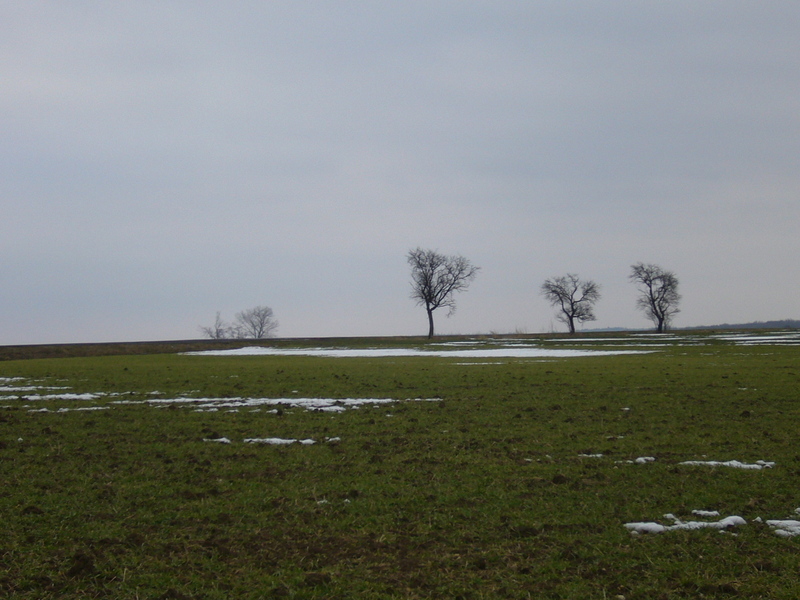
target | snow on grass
x=735, y=464
x=725, y=524
x=642, y=460
x=274, y=441
x=37, y=397
x=279, y=441
x=208, y=404
x=779, y=337
x=63, y=410
x=322, y=404
x=504, y=352
x=785, y=528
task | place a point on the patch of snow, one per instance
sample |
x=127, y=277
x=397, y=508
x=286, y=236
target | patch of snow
x=63, y=396
x=590, y=455
x=19, y=388
x=278, y=441
x=758, y=465
x=784, y=337
x=645, y=527
x=321, y=404
x=644, y=460
x=677, y=524
x=706, y=513
x=505, y=352
x=222, y=440
x=785, y=528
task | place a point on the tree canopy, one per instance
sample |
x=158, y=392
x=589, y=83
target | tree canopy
x=436, y=277
x=574, y=298
x=658, y=293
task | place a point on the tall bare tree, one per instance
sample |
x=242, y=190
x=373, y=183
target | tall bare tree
x=436, y=277
x=574, y=298
x=257, y=322
x=658, y=293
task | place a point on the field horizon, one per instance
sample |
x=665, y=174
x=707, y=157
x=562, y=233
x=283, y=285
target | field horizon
x=78, y=349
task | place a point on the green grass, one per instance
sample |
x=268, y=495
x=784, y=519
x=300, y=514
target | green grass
x=481, y=493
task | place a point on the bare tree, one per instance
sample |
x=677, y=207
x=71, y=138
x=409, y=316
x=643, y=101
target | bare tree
x=574, y=298
x=255, y=323
x=436, y=277
x=659, y=295
x=220, y=330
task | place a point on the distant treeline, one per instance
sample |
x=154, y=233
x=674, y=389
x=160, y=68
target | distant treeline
x=784, y=324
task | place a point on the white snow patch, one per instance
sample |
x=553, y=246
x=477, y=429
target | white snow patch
x=785, y=528
x=63, y=410
x=222, y=440
x=652, y=527
x=278, y=441
x=322, y=404
x=505, y=352
x=758, y=465
x=63, y=396
x=705, y=513
x=642, y=460
x=784, y=337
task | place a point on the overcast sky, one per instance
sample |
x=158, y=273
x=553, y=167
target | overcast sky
x=164, y=160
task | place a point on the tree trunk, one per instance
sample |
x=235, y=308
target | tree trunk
x=571, y=323
x=430, y=323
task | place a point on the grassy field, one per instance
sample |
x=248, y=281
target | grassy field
x=483, y=478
